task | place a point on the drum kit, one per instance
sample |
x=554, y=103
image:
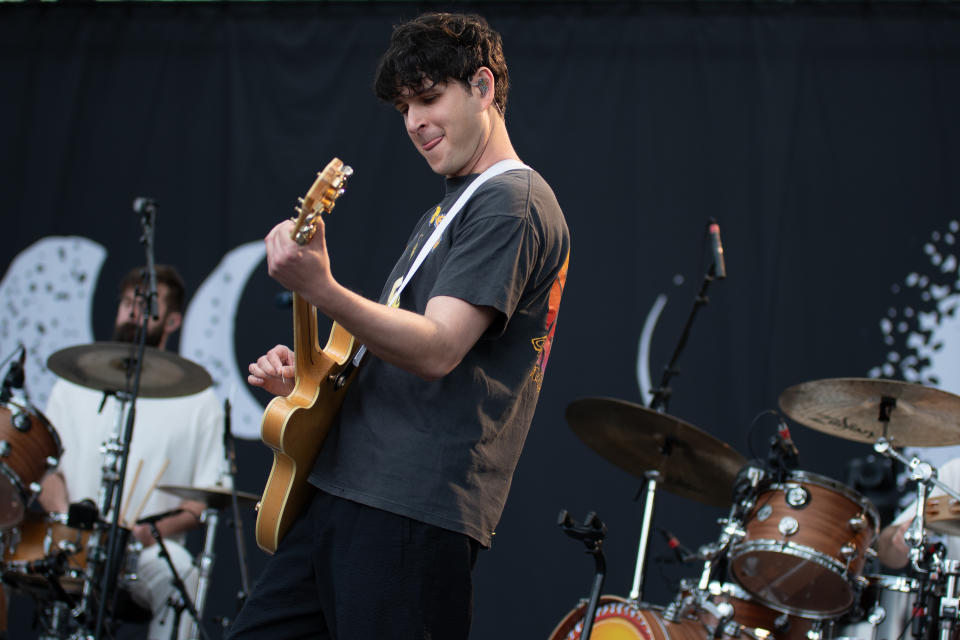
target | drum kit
x=62, y=560
x=791, y=558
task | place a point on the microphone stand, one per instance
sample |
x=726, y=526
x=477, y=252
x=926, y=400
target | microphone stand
x=661, y=400
x=185, y=602
x=230, y=450
x=147, y=210
x=661, y=395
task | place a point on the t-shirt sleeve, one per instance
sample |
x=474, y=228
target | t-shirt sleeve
x=490, y=261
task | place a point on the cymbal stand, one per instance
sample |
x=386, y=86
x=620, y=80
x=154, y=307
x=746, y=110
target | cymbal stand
x=926, y=477
x=210, y=519
x=113, y=448
x=651, y=477
x=949, y=610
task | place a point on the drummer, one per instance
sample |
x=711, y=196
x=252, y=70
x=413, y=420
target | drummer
x=892, y=550
x=175, y=441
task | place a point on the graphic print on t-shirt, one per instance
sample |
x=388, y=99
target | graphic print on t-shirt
x=543, y=344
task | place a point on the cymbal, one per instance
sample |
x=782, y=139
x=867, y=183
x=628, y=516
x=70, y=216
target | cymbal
x=850, y=408
x=104, y=365
x=213, y=497
x=691, y=462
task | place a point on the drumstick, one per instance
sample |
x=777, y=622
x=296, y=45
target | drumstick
x=126, y=503
x=153, y=486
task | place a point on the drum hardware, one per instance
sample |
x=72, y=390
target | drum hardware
x=591, y=533
x=183, y=600
x=925, y=476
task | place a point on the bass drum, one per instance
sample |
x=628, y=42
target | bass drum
x=619, y=619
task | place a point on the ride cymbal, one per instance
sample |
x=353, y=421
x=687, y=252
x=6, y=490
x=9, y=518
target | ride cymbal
x=691, y=462
x=105, y=366
x=865, y=409
x=213, y=497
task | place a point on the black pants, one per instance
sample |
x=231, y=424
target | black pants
x=346, y=571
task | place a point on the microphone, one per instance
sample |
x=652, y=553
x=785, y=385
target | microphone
x=15, y=377
x=144, y=206
x=784, y=432
x=160, y=516
x=719, y=266
x=683, y=553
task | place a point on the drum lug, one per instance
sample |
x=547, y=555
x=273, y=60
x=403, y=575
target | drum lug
x=857, y=523
x=848, y=551
x=797, y=497
x=35, y=487
x=52, y=462
x=877, y=615
x=4, y=448
x=870, y=553
x=788, y=526
x=20, y=421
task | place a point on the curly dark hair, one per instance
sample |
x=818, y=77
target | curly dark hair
x=439, y=47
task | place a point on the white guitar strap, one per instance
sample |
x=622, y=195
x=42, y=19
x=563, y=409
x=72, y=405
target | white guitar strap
x=495, y=170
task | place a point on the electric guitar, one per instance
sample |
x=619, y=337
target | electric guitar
x=295, y=426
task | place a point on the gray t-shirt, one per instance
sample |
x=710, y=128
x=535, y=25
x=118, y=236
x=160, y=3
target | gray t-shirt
x=444, y=452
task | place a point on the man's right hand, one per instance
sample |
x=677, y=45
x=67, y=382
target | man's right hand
x=274, y=371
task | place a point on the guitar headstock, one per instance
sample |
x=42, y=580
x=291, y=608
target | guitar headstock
x=320, y=199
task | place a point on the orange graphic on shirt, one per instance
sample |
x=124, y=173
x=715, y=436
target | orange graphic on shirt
x=543, y=344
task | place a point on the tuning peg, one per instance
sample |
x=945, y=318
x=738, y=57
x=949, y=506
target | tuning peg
x=298, y=210
x=300, y=200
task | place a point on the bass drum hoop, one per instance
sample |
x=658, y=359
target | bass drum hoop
x=652, y=626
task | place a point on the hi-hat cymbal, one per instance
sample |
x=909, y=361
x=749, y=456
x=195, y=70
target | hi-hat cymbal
x=213, y=497
x=852, y=408
x=692, y=463
x=104, y=366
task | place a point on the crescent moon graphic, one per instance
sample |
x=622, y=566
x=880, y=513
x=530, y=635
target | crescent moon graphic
x=643, y=347
x=208, y=334
x=47, y=301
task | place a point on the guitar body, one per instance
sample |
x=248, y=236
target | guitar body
x=295, y=426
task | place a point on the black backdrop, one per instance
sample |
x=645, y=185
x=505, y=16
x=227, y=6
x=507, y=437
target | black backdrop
x=822, y=137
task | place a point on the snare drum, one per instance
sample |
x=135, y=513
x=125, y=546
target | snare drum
x=619, y=619
x=884, y=612
x=29, y=446
x=806, y=543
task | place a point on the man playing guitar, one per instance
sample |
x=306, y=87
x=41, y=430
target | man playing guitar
x=413, y=476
